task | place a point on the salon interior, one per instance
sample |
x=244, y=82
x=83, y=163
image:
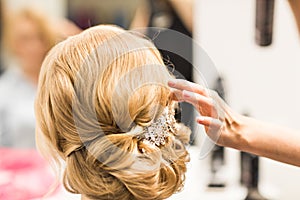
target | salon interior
x=246, y=50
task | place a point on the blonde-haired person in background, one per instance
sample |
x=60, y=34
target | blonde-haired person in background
x=103, y=108
x=27, y=37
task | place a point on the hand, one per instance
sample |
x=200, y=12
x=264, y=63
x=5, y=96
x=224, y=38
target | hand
x=221, y=123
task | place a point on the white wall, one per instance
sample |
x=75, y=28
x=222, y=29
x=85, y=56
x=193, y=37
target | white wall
x=262, y=81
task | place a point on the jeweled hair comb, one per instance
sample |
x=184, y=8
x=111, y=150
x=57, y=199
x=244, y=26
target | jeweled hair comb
x=161, y=128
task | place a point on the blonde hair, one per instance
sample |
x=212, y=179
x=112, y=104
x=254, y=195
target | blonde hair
x=94, y=90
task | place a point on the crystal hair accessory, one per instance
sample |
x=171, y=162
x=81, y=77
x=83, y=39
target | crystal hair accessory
x=160, y=129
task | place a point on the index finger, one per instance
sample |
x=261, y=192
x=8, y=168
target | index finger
x=181, y=84
x=176, y=95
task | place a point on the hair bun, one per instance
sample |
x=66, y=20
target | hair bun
x=83, y=99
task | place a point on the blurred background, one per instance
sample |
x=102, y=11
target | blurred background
x=254, y=49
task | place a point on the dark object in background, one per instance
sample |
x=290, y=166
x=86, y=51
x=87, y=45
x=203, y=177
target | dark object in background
x=163, y=15
x=250, y=175
x=264, y=22
x=216, y=164
x=217, y=155
x=94, y=12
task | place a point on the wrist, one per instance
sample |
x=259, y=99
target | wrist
x=235, y=132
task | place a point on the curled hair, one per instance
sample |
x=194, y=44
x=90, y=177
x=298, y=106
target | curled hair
x=95, y=90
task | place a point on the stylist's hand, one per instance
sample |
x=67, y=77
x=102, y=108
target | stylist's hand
x=221, y=123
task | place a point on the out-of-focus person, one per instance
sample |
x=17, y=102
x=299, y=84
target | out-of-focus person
x=27, y=36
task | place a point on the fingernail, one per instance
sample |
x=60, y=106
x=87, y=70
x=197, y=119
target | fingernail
x=171, y=83
x=186, y=94
x=200, y=119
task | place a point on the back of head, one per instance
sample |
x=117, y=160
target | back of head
x=98, y=92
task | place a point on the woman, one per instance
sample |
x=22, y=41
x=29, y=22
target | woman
x=237, y=131
x=27, y=38
x=103, y=108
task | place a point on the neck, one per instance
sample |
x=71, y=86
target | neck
x=83, y=197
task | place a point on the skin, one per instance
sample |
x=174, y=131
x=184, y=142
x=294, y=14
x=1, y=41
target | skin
x=183, y=8
x=28, y=47
x=237, y=131
x=295, y=5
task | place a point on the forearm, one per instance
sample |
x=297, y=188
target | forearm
x=141, y=17
x=237, y=131
x=295, y=5
x=185, y=9
x=271, y=141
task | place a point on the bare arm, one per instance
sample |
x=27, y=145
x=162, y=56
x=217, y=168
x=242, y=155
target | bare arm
x=185, y=10
x=271, y=141
x=142, y=16
x=295, y=5
x=239, y=132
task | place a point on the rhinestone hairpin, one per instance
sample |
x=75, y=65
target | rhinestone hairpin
x=158, y=132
